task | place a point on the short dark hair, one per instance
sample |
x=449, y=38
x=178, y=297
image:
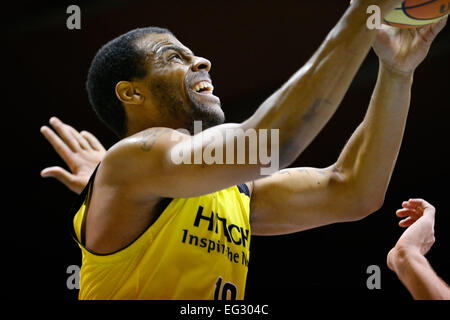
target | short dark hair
x=118, y=60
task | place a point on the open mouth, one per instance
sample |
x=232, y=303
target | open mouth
x=203, y=87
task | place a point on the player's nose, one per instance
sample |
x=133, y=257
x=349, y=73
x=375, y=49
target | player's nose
x=201, y=64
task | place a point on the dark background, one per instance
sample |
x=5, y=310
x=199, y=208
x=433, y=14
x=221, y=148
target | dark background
x=254, y=47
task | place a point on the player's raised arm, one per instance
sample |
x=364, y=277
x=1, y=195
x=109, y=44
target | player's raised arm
x=299, y=110
x=304, y=104
x=354, y=186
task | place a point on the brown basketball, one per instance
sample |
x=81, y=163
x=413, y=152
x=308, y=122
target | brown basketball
x=417, y=13
x=418, y=9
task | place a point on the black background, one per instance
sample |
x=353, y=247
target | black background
x=254, y=47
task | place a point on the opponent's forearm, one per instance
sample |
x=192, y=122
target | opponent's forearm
x=303, y=105
x=418, y=276
x=368, y=159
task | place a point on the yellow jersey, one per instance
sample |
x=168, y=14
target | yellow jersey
x=197, y=249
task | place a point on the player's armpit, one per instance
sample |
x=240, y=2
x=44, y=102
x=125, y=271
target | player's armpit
x=298, y=199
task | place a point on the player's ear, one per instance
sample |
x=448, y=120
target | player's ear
x=128, y=93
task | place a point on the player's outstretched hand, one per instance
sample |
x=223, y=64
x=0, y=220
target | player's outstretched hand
x=402, y=50
x=418, y=218
x=81, y=151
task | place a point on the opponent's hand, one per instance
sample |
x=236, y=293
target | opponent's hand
x=402, y=50
x=80, y=151
x=418, y=217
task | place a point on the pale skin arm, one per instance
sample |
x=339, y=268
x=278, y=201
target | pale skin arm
x=407, y=258
x=302, y=198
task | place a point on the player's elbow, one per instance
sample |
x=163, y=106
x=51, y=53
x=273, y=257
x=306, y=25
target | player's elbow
x=359, y=201
x=360, y=208
x=369, y=205
x=371, y=198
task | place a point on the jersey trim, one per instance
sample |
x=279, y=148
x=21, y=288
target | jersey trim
x=243, y=189
x=77, y=205
x=162, y=205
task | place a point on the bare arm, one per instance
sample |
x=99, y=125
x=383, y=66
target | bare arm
x=354, y=186
x=305, y=103
x=407, y=258
x=303, y=198
x=417, y=275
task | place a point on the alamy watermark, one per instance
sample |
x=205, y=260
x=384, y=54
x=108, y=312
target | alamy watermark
x=73, y=280
x=74, y=20
x=209, y=147
x=374, y=21
x=374, y=280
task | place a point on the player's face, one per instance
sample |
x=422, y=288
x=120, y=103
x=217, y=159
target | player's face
x=179, y=82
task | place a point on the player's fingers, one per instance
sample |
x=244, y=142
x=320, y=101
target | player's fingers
x=64, y=132
x=416, y=201
x=424, y=207
x=412, y=205
x=406, y=213
x=428, y=210
x=60, y=147
x=406, y=222
x=93, y=141
x=60, y=174
x=438, y=26
x=84, y=144
x=431, y=31
x=415, y=210
x=408, y=203
x=419, y=203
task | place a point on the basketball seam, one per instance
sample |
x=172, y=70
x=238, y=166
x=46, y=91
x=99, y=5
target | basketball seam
x=418, y=6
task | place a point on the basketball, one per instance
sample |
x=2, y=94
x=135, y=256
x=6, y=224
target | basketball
x=417, y=13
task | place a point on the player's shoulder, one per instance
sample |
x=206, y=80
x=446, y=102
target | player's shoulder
x=127, y=157
x=138, y=144
x=143, y=140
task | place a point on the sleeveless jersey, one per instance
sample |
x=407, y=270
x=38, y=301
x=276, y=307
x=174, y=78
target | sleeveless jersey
x=197, y=249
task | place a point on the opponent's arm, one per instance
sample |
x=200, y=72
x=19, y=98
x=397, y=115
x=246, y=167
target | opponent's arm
x=299, y=110
x=354, y=186
x=417, y=275
x=407, y=258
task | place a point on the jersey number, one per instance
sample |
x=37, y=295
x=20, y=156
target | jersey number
x=227, y=289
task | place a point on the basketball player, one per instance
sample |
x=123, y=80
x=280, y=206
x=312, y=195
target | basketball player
x=407, y=258
x=151, y=229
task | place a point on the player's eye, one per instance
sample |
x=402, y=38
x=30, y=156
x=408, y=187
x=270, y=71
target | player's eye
x=174, y=56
